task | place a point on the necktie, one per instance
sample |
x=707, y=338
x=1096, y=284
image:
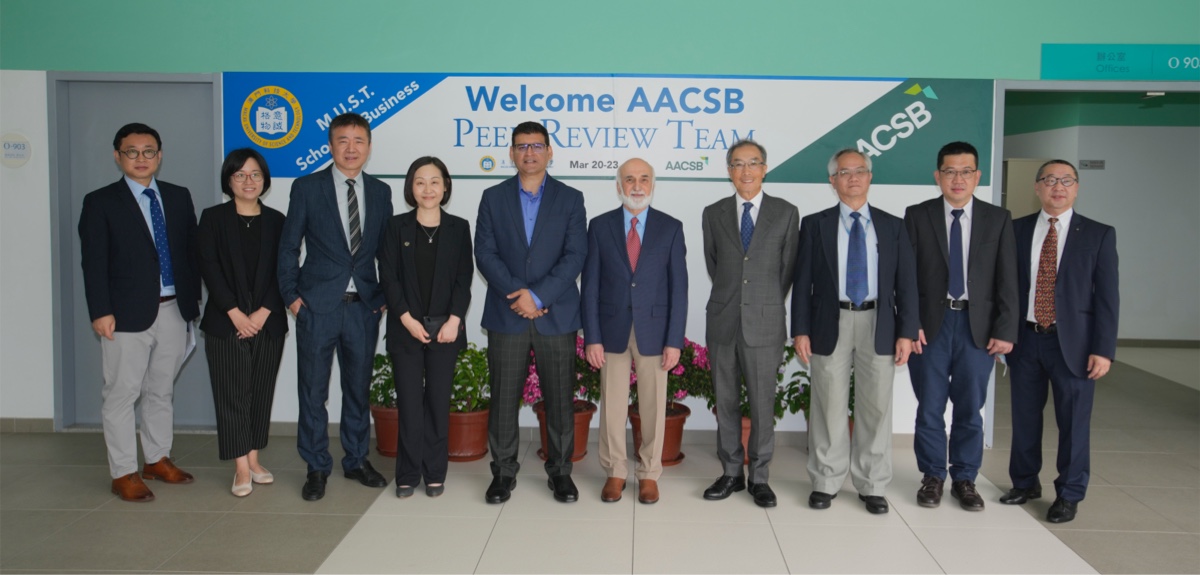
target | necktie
x=747, y=226
x=159, y=225
x=633, y=244
x=1043, y=301
x=856, y=262
x=355, y=225
x=957, y=285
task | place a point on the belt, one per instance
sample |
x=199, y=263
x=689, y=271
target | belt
x=1037, y=328
x=866, y=305
x=166, y=298
x=956, y=305
x=351, y=297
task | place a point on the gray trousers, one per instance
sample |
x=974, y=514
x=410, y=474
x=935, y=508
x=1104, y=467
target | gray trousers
x=759, y=366
x=831, y=451
x=142, y=366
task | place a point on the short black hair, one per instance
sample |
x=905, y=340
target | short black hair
x=234, y=162
x=529, y=128
x=349, y=119
x=742, y=144
x=1052, y=162
x=417, y=164
x=135, y=128
x=956, y=149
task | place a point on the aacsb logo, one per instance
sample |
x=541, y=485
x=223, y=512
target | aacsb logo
x=487, y=163
x=688, y=166
x=271, y=110
x=901, y=125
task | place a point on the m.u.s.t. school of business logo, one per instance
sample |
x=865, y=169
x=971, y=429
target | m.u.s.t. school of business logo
x=271, y=110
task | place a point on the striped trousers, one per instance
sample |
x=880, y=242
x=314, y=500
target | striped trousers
x=243, y=373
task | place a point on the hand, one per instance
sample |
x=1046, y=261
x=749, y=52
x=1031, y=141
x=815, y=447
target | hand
x=414, y=327
x=670, y=358
x=997, y=347
x=920, y=341
x=1098, y=366
x=595, y=354
x=296, y=305
x=904, y=346
x=449, y=331
x=259, y=317
x=241, y=322
x=524, y=304
x=105, y=326
x=803, y=346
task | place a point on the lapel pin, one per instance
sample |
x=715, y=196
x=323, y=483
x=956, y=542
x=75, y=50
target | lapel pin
x=406, y=244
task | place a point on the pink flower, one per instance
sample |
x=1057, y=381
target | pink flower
x=680, y=395
x=678, y=370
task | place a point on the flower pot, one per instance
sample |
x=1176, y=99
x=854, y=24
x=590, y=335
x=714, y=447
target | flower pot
x=745, y=438
x=468, y=439
x=583, y=421
x=672, y=432
x=387, y=429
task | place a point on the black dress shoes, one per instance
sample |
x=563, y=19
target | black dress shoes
x=1062, y=511
x=367, y=475
x=1018, y=496
x=724, y=486
x=563, y=488
x=968, y=498
x=500, y=489
x=763, y=496
x=876, y=504
x=818, y=500
x=930, y=493
x=314, y=486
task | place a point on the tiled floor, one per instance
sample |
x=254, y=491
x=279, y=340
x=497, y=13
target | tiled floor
x=1142, y=514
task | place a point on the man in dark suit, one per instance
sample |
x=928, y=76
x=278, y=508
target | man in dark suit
x=142, y=282
x=967, y=281
x=750, y=252
x=339, y=213
x=1068, y=285
x=854, y=307
x=634, y=311
x=530, y=243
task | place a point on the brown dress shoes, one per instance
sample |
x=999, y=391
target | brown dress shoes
x=612, y=490
x=132, y=488
x=166, y=471
x=648, y=491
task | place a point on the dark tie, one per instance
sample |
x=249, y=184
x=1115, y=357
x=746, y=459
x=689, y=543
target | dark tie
x=633, y=244
x=747, y=226
x=159, y=225
x=957, y=287
x=856, y=262
x=1043, y=301
x=355, y=225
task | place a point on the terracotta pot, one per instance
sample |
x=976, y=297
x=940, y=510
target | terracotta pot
x=672, y=432
x=387, y=429
x=583, y=422
x=745, y=438
x=468, y=435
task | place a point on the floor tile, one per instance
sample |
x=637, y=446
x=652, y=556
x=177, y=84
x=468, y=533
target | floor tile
x=263, y=542
x=1109, y=508
x=1179, y=505
x=209, y=492
x=960, y=550
x=342, y=496
x=1124, y=552
x=21, y=529
x=1178, y=365
x=829, y=549
x=714, y=548
x=950, y=514
x=533, y=498
x=1144, y=470
x=540, y=545
x=463, y=498
x=846, y=508
x=682, y=500
x=53, y=449
x=381, y=544
x=75, y=487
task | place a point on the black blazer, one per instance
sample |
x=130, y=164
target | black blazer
x=120, y=263
x=453, y=271
x=224, y=270
x=991, y=269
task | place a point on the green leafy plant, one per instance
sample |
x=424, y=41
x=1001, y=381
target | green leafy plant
x=791, y=394
x=472, y=391
x=383, y=384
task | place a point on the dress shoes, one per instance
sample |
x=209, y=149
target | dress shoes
x=964, y=491
x=724, y=486
x=314, y=486
x=611, y=492
x=264, y=478
x=403, y=491
x=763, y=496
x=818, y=500
x=564, y=488
x=648, y=491
x=367, y=475
x=930, y=493
x=132, y=488
x=166, y=471
x=1062, y=511
x=500, y=489
x=1018, y=496
x=876, y=504
x=241, y=489
x=435, y=490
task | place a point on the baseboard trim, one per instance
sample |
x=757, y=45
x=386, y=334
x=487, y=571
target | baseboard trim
x=1169, y=343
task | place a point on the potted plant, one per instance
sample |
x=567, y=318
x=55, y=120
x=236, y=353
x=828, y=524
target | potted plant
x=382, y=397
x=469, y=402
x=692, y=372
x=586, y=396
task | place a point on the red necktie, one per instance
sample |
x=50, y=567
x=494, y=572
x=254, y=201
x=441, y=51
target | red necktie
x=633, y=244
x=1043, y=302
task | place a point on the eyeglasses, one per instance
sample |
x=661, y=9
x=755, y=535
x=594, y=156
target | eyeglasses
x=951, y=174
x=1051, y=181
x=535, y=148
x=133, y=154
x=859, y=172
x=240, y=177
x=751, y=165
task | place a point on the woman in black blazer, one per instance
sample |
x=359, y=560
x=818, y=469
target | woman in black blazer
x=425, y=269
x=243, y=320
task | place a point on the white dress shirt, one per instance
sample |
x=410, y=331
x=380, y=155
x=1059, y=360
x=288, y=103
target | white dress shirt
x=755, y=204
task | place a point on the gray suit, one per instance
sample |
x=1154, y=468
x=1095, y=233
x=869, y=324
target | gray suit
x=745, y=322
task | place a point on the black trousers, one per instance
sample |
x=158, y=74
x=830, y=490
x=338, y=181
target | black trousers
x=424, y=378
x=243, y=374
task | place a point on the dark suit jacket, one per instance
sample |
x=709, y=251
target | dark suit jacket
x=1086, y=299
x=452, y=275
x=991, y=269
x=815, y=297
x=223, y=266
x=120, y=263
x=549, y=265
x=651, y=301
x=313, y=218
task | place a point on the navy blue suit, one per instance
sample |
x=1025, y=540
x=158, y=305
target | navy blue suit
x=327, y=322
x=1087, y=306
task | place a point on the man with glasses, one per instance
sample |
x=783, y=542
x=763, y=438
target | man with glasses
x=530, y=245
x=967, y=280
x=1068, y=288
x=142, y=282
x=854, y=314
x=750, y=251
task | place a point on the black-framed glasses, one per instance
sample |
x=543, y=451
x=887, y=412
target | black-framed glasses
x=951, y=174
x=1051, y=181
x=240, y=177
x=133, y=153
x=535, y=148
